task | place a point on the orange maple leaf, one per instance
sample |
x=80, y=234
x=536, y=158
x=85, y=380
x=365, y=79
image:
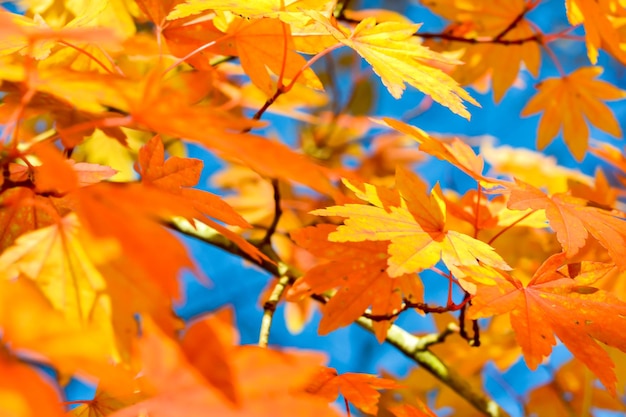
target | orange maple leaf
x=457, y=152
x=68, y=346
x=162, y=110
x=26, y=392
x=556, y=303
x=359, y=389
x=269, y=383
x=600, y=20
x=574, y=219
x=359, y=270
x=416, y=228
x=567, y=101
x=176, y=175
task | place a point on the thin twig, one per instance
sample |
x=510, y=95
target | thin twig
x=278, y=211
x=537, y=37
x=269, y=308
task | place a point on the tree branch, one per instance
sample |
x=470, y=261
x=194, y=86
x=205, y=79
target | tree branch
x=269, y=308
x=413, y=347
x=278, y=211
x=416, y=349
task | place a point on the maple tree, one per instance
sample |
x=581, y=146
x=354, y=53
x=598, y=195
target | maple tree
x=99, y=99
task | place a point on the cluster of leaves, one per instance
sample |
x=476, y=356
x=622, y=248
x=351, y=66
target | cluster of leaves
x=97, y=99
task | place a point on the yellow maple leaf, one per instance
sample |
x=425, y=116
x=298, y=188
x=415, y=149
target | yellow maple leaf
x=55, y=258
x=601, y=21
x=289, y=11
x=416, y=227
x=398, y=58
x=567, y=101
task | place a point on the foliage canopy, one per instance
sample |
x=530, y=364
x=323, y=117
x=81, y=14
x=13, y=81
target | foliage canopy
x=98, y=99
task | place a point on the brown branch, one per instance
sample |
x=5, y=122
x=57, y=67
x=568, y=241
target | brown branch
x=425, y=307
x=413, y=347
x=278, y=211
x=513, y=24
x=537, y=37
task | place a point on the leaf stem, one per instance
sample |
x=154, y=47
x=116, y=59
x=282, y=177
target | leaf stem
x=501, y=232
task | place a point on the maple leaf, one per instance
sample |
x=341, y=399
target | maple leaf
x=485, y=19
x=600, y=27
x=359, y=389
x=133, y=215
x=22, y=210
x=457, y=152
x=532, y=167
x=397, y=58
x=407, y=410
x=567, y=101
x=26, y=392
x=574, y=220
x=270, y=383
x=67, y=345
x=161, y=109
x=416, y=228
x=175, y=175
x=572, y=388
x=18, y=32
x=210, y=358
x=359, y=270
x=262, y=45
x=555, y=303
x=290, y=11
x=157, y=10
x=56, y=259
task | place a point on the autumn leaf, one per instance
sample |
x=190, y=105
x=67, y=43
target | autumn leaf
x=133, y=216
x=567, y=101
x=270, y=383
x=531, y=167
x=65, y=344
x=407, y=410
x=166, y=113
x=555, y=303
x=600, y=27
x=56, y=251
x=574, y=220
x=290, y=11
x=241, y=38
x=359, y=389
x=106, y=402
x=397, y=58
x=22, y=210
x=457, y=152
x=573, y=388
x=26, y=392
x=359, y=271
x=177, y=175
x=416, y=229
x=203, y=345
x=18, y=32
